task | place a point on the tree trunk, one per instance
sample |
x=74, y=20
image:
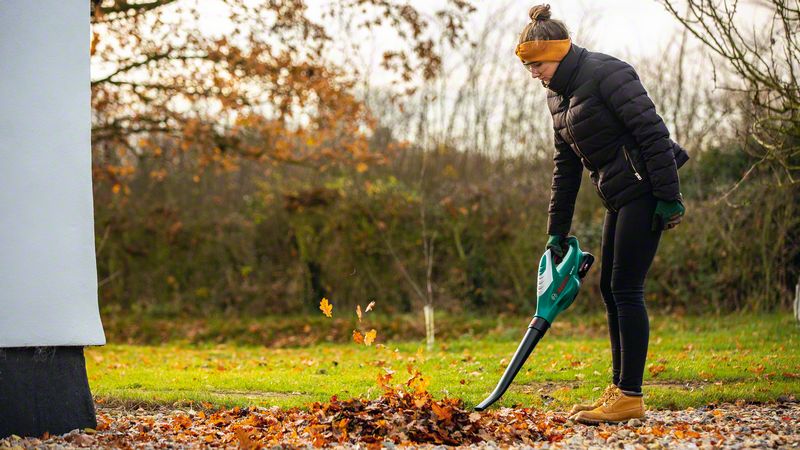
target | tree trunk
x=429, y=327
x=797, y=302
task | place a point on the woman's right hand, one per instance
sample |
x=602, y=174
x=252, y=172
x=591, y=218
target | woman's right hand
x=554, y=243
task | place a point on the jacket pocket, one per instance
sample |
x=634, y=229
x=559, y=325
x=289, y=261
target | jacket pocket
x=631, y=163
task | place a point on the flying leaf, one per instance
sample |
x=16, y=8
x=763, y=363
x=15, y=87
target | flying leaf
x=358, y=312
x=419, y=383
x=370, y=306
x=326, y=307
x=370, y=336
x=357, y=337
x=384, y=379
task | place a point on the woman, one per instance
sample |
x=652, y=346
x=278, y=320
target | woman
x=604, y=120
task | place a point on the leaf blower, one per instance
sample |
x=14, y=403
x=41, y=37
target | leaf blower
x=557, y=286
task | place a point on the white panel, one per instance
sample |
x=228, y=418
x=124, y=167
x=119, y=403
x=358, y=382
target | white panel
x=48, y=276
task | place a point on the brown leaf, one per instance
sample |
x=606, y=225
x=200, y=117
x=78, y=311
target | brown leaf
x=444, y=413
x=656, y=369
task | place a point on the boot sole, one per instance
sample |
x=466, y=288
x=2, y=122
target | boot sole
x=599, y=421
x=572, y=415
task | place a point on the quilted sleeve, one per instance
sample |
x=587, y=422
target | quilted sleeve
x=620, y=88
x=564, y=189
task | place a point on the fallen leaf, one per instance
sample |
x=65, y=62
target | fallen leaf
x=656, y=369
x=370, y=306
x=358, y=312
x=245, y=439
x=326, y=307
x=358, y=338
x=442, y=413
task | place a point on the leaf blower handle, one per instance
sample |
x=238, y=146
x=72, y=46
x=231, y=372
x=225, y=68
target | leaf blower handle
x=557, y=245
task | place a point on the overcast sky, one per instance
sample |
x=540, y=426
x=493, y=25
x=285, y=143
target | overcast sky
x=617, y=25
x=623, y=28
x=627, y=29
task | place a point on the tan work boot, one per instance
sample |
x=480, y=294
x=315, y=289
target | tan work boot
x=618, y=408
x=610, y=390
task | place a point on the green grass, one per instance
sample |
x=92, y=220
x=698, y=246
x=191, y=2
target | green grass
x=705, y=359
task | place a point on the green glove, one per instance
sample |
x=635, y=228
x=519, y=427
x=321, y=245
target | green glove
x=668, y=214
x=554, y=243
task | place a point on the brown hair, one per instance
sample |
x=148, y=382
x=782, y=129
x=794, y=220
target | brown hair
x=542, y=27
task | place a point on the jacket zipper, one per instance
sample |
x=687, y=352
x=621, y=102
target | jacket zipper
x=569, y=130
x=630, y=161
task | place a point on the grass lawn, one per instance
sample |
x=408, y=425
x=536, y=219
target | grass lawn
x=692, y=361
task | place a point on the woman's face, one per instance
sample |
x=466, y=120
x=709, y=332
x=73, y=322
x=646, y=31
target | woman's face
x=542, y=70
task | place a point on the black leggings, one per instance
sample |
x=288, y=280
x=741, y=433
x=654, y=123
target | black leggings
x=628, y=249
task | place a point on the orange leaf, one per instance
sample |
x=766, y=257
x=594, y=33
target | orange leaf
x=442, y=413
x=245, y=439
x=357, y=337
x=383, y=380
x=370, y=336
x=358, y=312
x=418, y=382
x=326, y=307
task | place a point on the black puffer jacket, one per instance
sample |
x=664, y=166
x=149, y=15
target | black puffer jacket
x=604, y=120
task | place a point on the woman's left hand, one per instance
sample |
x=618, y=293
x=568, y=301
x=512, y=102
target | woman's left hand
x=668, y=214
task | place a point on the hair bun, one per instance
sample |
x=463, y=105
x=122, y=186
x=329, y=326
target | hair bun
x=539, y=12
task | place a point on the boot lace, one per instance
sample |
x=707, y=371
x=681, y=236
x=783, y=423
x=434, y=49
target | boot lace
x=609, y=395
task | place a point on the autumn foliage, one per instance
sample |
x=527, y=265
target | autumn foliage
x=265, y=89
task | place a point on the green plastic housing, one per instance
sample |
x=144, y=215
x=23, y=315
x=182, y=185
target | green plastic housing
x=558, y=284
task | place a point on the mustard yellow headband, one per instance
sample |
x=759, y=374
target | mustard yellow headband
x=535, y=51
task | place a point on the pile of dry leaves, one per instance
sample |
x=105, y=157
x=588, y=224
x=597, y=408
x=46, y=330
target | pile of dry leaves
x=404, y=414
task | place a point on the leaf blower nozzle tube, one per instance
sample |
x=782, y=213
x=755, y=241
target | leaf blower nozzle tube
x=537, y=328
x=556, y=288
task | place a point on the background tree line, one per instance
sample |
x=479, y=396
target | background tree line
x=245, y=173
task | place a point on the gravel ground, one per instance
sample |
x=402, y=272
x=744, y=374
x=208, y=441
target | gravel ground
x=729, y=426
